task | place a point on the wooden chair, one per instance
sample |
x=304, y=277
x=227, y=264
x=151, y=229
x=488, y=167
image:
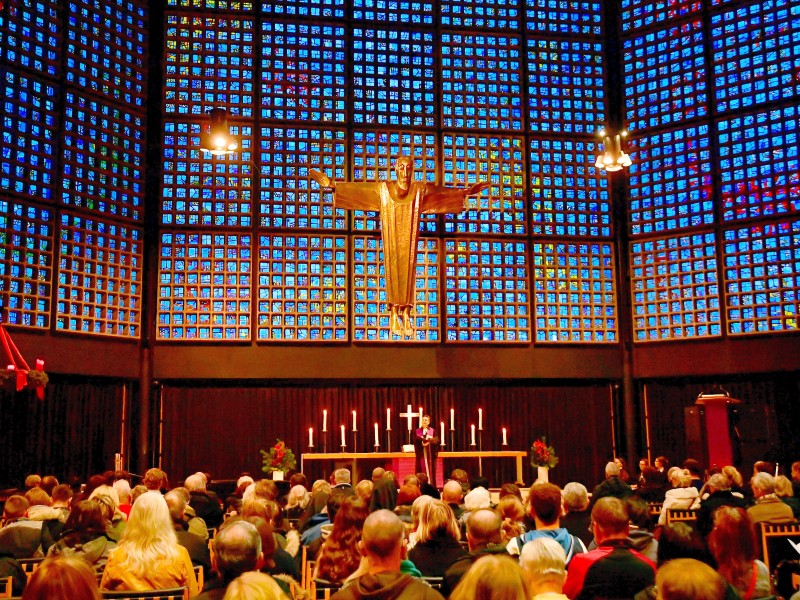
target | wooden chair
x=198, y=573
x=5, y=587
x=308, y=574
x=322, y=589
x=681, y=515
x=655, y=508
x=29, y=565
x=434, y=582
x=796, y=580
x=181, y=593
x=304, y=583
x=778, y=541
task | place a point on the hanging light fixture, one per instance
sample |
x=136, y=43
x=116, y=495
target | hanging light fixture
x=613, y=158
x=218, y=139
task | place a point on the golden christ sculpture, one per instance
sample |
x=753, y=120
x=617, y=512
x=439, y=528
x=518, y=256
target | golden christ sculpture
x=400, y=204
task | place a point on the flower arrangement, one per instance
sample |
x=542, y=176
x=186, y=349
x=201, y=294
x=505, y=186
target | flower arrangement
x=279, y=458
x=542, y=454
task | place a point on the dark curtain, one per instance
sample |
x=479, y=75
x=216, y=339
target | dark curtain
x=75, y=430
x=221, y=430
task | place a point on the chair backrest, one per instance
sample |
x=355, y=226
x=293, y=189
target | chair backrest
x=685, y=515
x=198, y=573
x=5, y=587
x=181, y=593
x=322, y=589
x=434, y=582
x=778, y=542
x=29, y=565
x=655, y=508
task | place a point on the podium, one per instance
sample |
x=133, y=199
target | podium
x=713, y=428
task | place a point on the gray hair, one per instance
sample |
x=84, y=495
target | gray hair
x=612, y=469
x=237, y=548
x=543, y=557
x=719, y=482
x=575, y=495
x=341, y=476
x=195, y=483
x=764, y=482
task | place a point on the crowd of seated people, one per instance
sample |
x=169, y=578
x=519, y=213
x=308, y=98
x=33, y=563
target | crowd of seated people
x=380, y=538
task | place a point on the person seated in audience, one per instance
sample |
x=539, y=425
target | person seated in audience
x=737, y=486
x=477, y=499
x=612, y=485
x=460, y=475
x=784, y=491
x=405, y=498
x=438, y=539
x=235, y=550
x=653, y=485
x=681, y=540
x=416, y=511
x=149, y=556
x=639, y=535
x=62, y=496
x=364, y=490
x=123, y=489
x=40, y=509
x=762, y=466
x=491, y=578
x=544, y=505
x=195, y=545
x=296, y=502
x=384, y=493
x=681, y=496
x=379, y=577
x=233, y=503
x=452, y=495
x=194, y=524
x=719, y=494
x=316, y=504
x=341, y=481
x=427, y=487
x=155, y=480
x=695, y=471
x=206, y=505
x=613, y=569
x=484, y=537
x=411, y=479
x=277, y=561
x=62, y=577
x=768, y=507
x=10, y=567
x=509, y=489
x=544, y=563
x=688, y=579
x=512, y=512
x=138, y=491
x=339, y=556
x=254, y=586
x=85, y=536
x=314, y=532
x=20, y=537
x=115, y=520
x=733, y=544
x=31, y=481
x=576, y=516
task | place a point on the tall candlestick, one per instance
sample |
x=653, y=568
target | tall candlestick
x=442, y=440
x=452, y=418
x=617, y=145
x=505, y=439
x=420, y=416
x=354, y=421
x=325, y=421
x=480, y=419
x=377, y=443
x=409, y=415
x=388, y=419
x=343, y=442
x=473, y=434
x=310, y=437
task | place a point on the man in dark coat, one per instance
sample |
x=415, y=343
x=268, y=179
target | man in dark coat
x=484, y=536
x=719, y=494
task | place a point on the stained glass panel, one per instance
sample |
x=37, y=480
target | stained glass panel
x=30, y=35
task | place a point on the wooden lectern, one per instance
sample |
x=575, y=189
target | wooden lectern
x=715, y=424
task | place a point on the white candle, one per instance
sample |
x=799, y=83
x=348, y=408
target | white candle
x=452, y=418
x=442, y=440
x=11, y=368
x=408, y=415
x=39, y=364
x=343, y=442
x=473, y=434
x=480, y=419
x=420, y=416
x=354, y=421
x=377, y=443
x=388, y=419
x=310, y=437
x=325, y=420
x=505, y=439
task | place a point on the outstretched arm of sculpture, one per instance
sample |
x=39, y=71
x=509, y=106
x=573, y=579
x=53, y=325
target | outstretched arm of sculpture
x=439, y=199
x=351, y=196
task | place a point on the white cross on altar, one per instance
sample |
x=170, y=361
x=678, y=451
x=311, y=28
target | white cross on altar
x=409, y=415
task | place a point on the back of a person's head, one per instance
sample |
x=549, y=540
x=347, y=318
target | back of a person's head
x=335, y=501
x=460, y=475
x=509, y=489
x=763, y=482
x=195, y=483
x=351, y=514
x=155, y=479
x=237, y=548
x=612, y=469
x=452, y=492
x=680, y=478
x=783, y=487
x=436, y=519
x=485, y=527
x=719, y=483
x=123, y=489
x=638, y=512
x=492, y=577
x=254, y=586
x=48, y=483
x=477, y=499
x=575, y=497
x=762, y=466
x=689, y=579
x=298, y=479
x=680, y=540
x=62, y=493
x=32, y=481
x=422, y=478
x=411, y=479
x=378, y=473
x=364, y=489
x=149, y=520
x=545, y=502
x=510, y=507
x=86, y=517
x=15, y=507
x=611, y=515
x=693, y=466
x=734, y=476
x=138, y=491
x=382, y=534
x=341, y=476
x=407, y=494
x=62, y=577
x=544, y=559
x=176, y=505
x=37, y=497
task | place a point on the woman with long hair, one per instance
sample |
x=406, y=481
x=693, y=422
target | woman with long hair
x=62, y=577
x=493, y=578
x=339, y=555
x=148, y=556
x=512, y=512
x=733, y=544
x=85, y=536
x=438, y=538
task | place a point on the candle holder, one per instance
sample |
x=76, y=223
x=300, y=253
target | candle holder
x=355, y=439
x=388, y=440
x=452, y=439
x=480, y=440
x=377, y=448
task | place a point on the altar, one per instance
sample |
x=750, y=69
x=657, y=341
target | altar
x=403, y=462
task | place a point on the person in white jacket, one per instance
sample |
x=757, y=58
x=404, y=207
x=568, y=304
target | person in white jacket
x=682, y=495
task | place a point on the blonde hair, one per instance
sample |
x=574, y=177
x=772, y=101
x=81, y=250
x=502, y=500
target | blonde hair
x=62, y=577
x=544, y=558
x=416, y=508
x=783, y=487
x=298, y=496
x=364, y=490
x=254, y=585
x=689, y=579
x=437, y=519
x=492, y=578
x=149, y=540
x=680, y=477
x=733, y=476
